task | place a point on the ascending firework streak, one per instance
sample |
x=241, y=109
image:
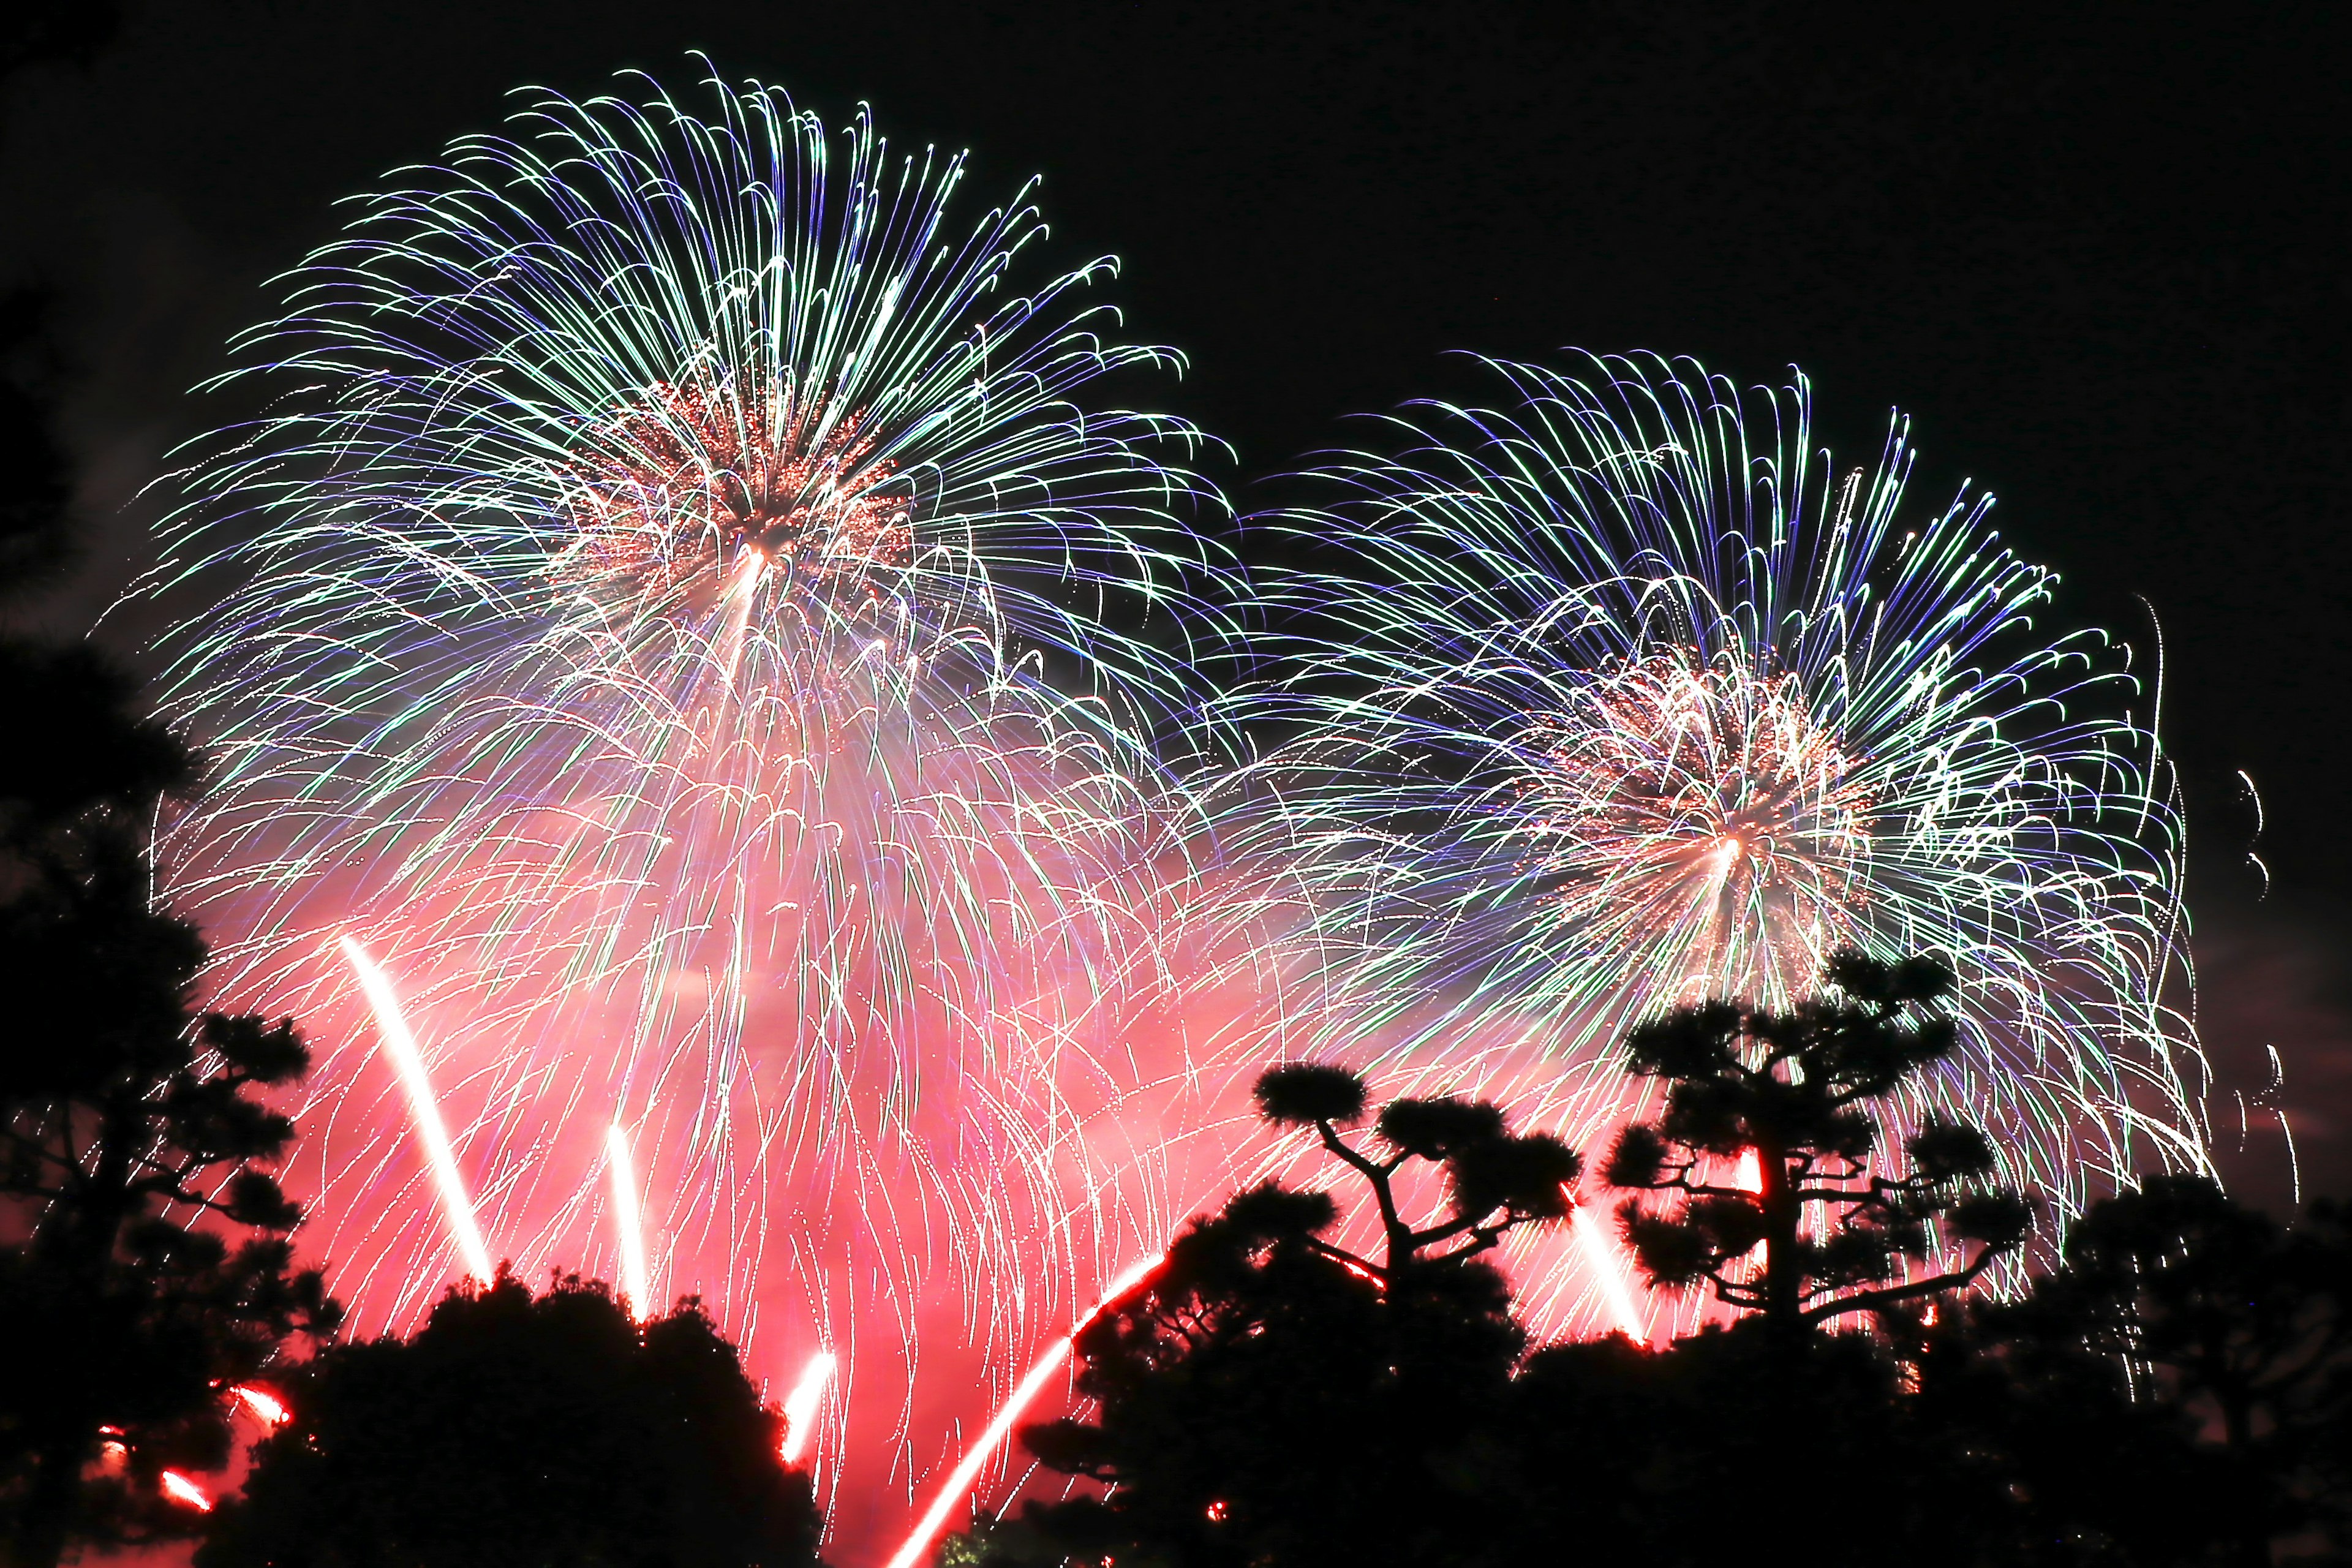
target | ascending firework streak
x=801, y=1406
x=993, y=1438
x=667, y=612
x=1625, y=697
x=1607, y=1270
x=630, y=1223
x=424, y=1111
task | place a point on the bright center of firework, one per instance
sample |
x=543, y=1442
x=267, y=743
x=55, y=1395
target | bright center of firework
x=717, y=475
x=1698, y=815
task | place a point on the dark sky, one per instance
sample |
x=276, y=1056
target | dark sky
x=2097, y=253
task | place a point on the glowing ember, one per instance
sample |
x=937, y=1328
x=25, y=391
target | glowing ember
x=265, y=1406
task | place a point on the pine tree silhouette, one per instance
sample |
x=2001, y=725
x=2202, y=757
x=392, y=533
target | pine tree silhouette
x=1271, y=1396
x=1793, y=1090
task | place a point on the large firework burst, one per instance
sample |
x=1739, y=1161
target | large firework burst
x=684, y=608
x=1624, y=695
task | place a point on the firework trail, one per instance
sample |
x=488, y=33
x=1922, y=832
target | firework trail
x=423, y=1109
x=688, y=611
x=186, y=1492
x=1620, y=694
x=1606, y=1268
x=992, y=1439
x=802, y=1404
x=629, y=1221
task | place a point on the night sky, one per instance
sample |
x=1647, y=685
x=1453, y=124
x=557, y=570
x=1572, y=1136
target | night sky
x=2095, y=253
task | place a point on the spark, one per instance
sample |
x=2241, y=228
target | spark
x=801, y=1405
x=423, y=1112
x=960, y=1479
x=630, y=1222
x=180, y=1490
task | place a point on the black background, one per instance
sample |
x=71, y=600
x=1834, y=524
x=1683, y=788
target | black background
x=2097, y=253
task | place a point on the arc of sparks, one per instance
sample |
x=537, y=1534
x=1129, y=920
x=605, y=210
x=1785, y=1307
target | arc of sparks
x=631, y=1221
x=960, y=1479
x=423, y=1109
x=801, y=1405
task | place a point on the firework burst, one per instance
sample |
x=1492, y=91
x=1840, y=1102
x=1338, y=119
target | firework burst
x=685, y=610
x=1627, y=697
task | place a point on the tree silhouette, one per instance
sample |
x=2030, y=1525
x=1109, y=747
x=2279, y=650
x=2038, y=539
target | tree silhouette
x=1494, y=1181
x=1793, y=1089
x=147, y=1264
x=1796, y=1451
x=2182, y=1385
x=550, y=1430
x=1271, y=1396
x=144, y=1264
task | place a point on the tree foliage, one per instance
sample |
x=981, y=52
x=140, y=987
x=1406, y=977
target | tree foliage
x=1737, y=1445
x=521, y=1429
x=1271, y=1396
x=2179, y=1389
x=1793, y=1090
x=146, y=1261
x=144, y=1255
x=2172, y=1393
